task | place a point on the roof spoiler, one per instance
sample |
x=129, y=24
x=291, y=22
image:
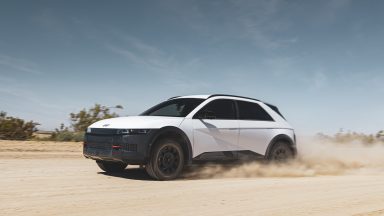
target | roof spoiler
x=274, y=108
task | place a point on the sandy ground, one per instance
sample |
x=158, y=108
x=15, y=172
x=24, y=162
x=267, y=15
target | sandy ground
x=47, y=178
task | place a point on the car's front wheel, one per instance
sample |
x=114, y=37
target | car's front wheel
x=111, y=167
x=166, y=161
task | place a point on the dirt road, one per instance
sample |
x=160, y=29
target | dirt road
x=54, y=179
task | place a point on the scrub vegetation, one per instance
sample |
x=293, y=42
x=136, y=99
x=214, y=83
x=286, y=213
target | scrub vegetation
x=13, y=128
x=351, y=137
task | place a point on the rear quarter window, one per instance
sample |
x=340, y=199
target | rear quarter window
x=252, y=111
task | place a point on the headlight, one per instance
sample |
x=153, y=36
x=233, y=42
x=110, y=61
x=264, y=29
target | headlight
x=89, y=130
x=133, y=131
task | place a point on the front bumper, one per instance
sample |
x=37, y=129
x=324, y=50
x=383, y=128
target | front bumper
x=108, y=145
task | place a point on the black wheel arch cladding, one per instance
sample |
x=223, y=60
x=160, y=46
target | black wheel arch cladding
x=172, y=133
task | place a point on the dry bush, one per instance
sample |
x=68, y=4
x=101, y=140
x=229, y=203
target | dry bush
x=13, y=128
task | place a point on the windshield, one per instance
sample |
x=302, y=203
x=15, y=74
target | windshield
x=175, y=108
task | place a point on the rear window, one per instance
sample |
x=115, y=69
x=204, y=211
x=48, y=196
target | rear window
x=252, y=111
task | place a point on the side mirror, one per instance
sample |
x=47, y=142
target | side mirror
x=207, y=114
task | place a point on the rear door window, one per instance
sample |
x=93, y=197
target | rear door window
x=220, y=109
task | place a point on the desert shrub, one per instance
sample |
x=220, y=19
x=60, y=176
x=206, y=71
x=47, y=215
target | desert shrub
x=78, y=136
x=68, y=136
x=63, y=134
x=81, y=120
x=13, y=128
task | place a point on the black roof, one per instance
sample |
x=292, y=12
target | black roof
x=217, y=95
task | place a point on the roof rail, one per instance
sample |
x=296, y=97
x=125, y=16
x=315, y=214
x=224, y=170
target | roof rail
x=173, y=97
x=217, y=95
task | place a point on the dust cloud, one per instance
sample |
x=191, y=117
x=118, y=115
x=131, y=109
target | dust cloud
x=316, y=157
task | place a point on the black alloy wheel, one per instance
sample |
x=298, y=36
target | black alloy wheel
x=167, y=160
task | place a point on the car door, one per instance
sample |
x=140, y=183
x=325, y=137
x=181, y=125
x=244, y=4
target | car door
x=255, y=127
x=216, y=127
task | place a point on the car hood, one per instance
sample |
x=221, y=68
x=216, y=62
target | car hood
x=138, y=122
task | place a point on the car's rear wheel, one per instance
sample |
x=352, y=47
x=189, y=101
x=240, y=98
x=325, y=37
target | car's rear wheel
x=108, y=166
x=167, y=160
x=280, y=152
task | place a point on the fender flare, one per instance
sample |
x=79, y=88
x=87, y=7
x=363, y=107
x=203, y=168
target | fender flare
x=281, y=137
x=174, y=130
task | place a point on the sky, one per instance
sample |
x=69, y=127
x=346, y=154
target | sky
x=320, y=62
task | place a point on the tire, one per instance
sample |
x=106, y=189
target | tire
x=280, y=152
x=111, y=167
x=166, y=161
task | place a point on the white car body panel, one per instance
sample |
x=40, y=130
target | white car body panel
x=257, y=139
x=212, y=135
x=138, y=122
x=256, y=135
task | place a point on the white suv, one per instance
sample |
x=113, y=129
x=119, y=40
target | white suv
x=188, y=129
